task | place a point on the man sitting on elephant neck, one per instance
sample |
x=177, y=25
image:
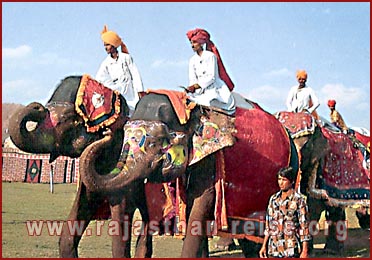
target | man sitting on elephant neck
x=210, y=85
x=302, y=98
x=118, y=71
x=336, y=118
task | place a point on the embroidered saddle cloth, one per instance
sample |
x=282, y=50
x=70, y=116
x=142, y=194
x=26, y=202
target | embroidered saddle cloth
x=344, y=176
x=98, y=105
x=298, y=124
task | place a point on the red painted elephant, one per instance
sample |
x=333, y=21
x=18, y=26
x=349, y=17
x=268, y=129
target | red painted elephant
x=226, y=165
x=332, y=172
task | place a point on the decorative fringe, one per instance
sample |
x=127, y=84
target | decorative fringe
x=220, y=211
x=94, y=123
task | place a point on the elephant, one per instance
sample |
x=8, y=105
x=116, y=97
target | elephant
x=332, y=172
x=234, y=179
x=60, y=129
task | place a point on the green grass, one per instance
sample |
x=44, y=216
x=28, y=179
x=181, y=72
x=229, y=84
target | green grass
x=24, y=201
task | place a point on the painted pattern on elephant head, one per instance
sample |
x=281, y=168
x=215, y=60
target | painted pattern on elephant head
x=67, y=128
x=153, y=139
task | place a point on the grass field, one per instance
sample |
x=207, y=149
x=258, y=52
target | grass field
x=22, y=202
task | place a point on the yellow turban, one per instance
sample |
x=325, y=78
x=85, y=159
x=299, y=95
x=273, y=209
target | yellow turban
x=113, y=39
x=301, y=74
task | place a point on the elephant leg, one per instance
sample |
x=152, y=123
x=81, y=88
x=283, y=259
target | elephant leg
x=250, y=248
x=144, y=241
x=316, y=207
x=196, y=241
x=226, y=243
x=121, y=222
x=363, y=217
x=82, y=212
x=336, y=218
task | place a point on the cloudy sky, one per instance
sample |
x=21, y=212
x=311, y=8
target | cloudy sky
x=262, y=46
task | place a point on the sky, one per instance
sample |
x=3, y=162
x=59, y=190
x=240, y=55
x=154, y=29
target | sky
x=262, y=45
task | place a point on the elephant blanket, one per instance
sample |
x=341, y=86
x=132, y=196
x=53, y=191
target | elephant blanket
x=247, y=169
x=298, y=124
x=98, y=105
x=344, y=176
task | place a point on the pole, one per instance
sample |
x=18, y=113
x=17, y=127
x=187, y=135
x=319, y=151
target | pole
x=51, y=177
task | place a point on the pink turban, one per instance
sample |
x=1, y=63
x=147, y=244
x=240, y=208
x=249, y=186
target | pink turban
x=331, y=103
x=301, y=74
x=202, y=36
x=113, y=39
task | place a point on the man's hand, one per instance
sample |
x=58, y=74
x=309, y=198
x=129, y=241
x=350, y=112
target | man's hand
x=262, y=252
x=192, y=88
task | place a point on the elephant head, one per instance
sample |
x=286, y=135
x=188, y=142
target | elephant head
x=154, y=140
x=164, y=142
x=57, y=129
x=140, y=168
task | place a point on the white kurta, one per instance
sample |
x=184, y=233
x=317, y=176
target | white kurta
x=121, y=74
x=203, y=70
x=299, y=99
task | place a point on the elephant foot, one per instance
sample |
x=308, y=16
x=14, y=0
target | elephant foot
x=329, y=251
x=226, y=244
x=334, y=248
x=364, y=220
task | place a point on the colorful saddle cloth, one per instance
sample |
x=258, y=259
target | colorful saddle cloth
x=298, y=124
x=98, y=105
x=215, y=133
x=344, y=176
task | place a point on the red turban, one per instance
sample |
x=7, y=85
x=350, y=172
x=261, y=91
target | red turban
x=199, y=35
x=202, y=36
x=331, y=103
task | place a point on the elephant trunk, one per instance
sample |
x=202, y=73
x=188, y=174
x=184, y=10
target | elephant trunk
x=107, y=183
x=38, y=140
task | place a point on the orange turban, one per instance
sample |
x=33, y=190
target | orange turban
x=113, y=39
x=331, y=103
x=301, y=74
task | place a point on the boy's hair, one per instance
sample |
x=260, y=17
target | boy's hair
x=287, y=172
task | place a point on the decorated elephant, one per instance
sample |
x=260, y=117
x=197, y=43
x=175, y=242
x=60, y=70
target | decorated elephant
x=332, y=173
x=225, y=165
x=78, y=113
